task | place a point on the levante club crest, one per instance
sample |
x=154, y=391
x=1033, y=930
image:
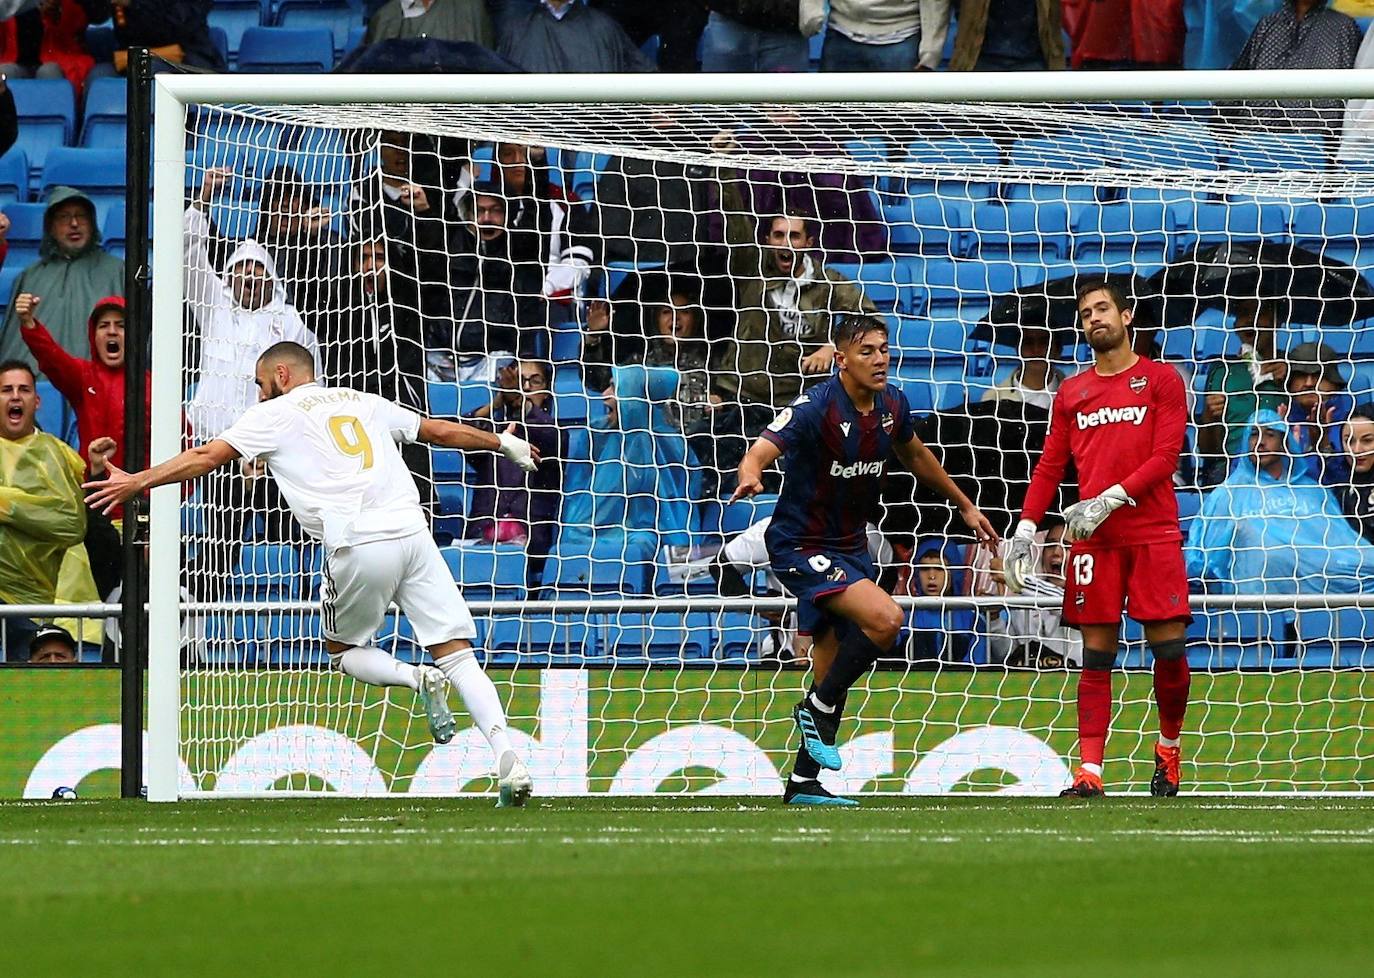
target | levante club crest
x=1138, y=383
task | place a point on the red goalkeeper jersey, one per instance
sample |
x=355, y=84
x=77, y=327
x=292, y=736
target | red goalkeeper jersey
x=1127, y=429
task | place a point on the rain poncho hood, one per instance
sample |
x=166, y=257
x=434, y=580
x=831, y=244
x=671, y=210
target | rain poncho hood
x=232, y=337
x=42, y=513
x=639, y=476
x=1258, y=533
x=68, y=285
x=94, y=391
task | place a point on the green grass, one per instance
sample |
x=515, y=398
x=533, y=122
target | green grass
x=695, y=887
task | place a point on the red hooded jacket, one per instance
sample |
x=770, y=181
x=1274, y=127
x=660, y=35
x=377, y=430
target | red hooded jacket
x=95, y=391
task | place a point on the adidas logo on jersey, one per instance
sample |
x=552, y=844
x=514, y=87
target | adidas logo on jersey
x=1109, y=415
x=858, y=468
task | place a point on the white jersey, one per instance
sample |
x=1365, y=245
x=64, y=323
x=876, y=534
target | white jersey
x=333, y=454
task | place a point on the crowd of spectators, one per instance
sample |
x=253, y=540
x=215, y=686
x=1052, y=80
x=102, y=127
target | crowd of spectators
x=457, y=264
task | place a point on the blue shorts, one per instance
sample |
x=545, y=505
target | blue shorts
x=814, y=576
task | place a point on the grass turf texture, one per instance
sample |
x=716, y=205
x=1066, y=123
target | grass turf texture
x=711, y=887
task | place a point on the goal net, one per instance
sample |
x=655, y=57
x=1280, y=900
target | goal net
x=638, y=288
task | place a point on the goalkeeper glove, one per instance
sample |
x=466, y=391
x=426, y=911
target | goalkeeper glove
x=1020, y=558
x=1086, y=516
x=518, y=451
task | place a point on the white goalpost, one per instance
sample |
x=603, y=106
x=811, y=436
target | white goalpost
x=423, y=233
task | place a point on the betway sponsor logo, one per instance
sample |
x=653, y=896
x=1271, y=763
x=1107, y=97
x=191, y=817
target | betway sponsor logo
x=858, y=468
x=1110, y=415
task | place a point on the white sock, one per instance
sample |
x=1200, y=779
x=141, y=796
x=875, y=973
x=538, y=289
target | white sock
x=369, y=664
x=1167, y=741
x=821, y=706
x=1093, y=769
x=483, y=704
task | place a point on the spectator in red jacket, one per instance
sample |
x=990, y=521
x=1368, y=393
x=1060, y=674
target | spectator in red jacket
x=48, y=41
x=95, y=387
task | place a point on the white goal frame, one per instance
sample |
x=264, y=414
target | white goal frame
x=173, y=93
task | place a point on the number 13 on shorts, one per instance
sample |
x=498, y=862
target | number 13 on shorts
x=1082, y=569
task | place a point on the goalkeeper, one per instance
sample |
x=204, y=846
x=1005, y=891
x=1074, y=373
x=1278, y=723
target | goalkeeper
x=1122, y=423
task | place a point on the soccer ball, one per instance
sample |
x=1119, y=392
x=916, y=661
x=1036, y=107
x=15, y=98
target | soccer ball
x=64, y=794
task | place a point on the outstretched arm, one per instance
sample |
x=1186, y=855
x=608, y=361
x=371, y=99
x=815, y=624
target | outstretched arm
x=763, y=453
x=929, y=472
x=454, y=434
x=118, y=486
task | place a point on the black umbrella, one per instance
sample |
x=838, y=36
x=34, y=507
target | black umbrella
x=1313, y=289
x=1053, y=306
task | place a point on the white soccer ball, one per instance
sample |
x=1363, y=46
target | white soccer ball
x=64, y=794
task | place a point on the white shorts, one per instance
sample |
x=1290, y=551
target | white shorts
x=360, y=582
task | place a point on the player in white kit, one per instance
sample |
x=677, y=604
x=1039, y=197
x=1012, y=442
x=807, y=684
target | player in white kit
x=333, y=454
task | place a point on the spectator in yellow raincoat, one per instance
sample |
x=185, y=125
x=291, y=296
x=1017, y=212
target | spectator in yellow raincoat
x=42, y=507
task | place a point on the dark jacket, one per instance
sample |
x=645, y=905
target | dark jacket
x=504, y=491
x=583, y=40
x=157, y=23
x=1357, y=502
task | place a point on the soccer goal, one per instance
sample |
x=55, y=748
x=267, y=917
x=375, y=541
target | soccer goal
x=437, y=239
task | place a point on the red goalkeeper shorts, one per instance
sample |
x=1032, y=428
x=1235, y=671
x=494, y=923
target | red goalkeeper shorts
x=1148, y=582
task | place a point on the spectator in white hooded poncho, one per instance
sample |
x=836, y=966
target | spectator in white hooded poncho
x=237, y=315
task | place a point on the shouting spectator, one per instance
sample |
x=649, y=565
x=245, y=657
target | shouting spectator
x=42, y=506
x=1357, y=493
x=448, y=20
x=237, y=314
x=756, y=35
x=49, y=42
x=510, y=505
x=875, y=35
x=94, y=388
x=174, y=30
x=71, y=274
x=566, y=36
x=1270, y=528
x=1026, y=35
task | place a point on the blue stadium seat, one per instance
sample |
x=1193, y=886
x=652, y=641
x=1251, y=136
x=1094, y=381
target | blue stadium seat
x=1342, y=232
x=1342, y=638
x=1272, y=152
x=14, y=177
x=1058, y=155
x=541, y=640
x=451, y=400
x=1128, y=233
x=736, y=636
x=495, y=571
x=293, y=639
x=8, y=274
x=356, y=35
x=26, y=233
x=927, y=224
x=234, y=18
x=721, y=517
x=613, y=563
x=886, y=283
x=267, y=570
x=286, y=49
x=103, y=122
x=567, y=344
x=335, y=16
x=98, y=173
x=1018, y=231
x=662, y=637
x=449, y=464
x=963, y=290
x=47, y=117
x=972, y=151
x=112, y=231
x=219, y=39
x=236, y=640
x=922, y=338
x=1230, y=639
x=1210, y=222
x=52, y=413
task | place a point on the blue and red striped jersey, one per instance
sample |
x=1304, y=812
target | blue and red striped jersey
x=834, y=463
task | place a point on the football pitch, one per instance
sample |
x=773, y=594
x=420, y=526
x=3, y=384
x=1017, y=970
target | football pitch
x=701, y=887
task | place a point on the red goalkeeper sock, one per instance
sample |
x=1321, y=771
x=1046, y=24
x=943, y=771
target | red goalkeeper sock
x=1172, y=678
x=1094, y=713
